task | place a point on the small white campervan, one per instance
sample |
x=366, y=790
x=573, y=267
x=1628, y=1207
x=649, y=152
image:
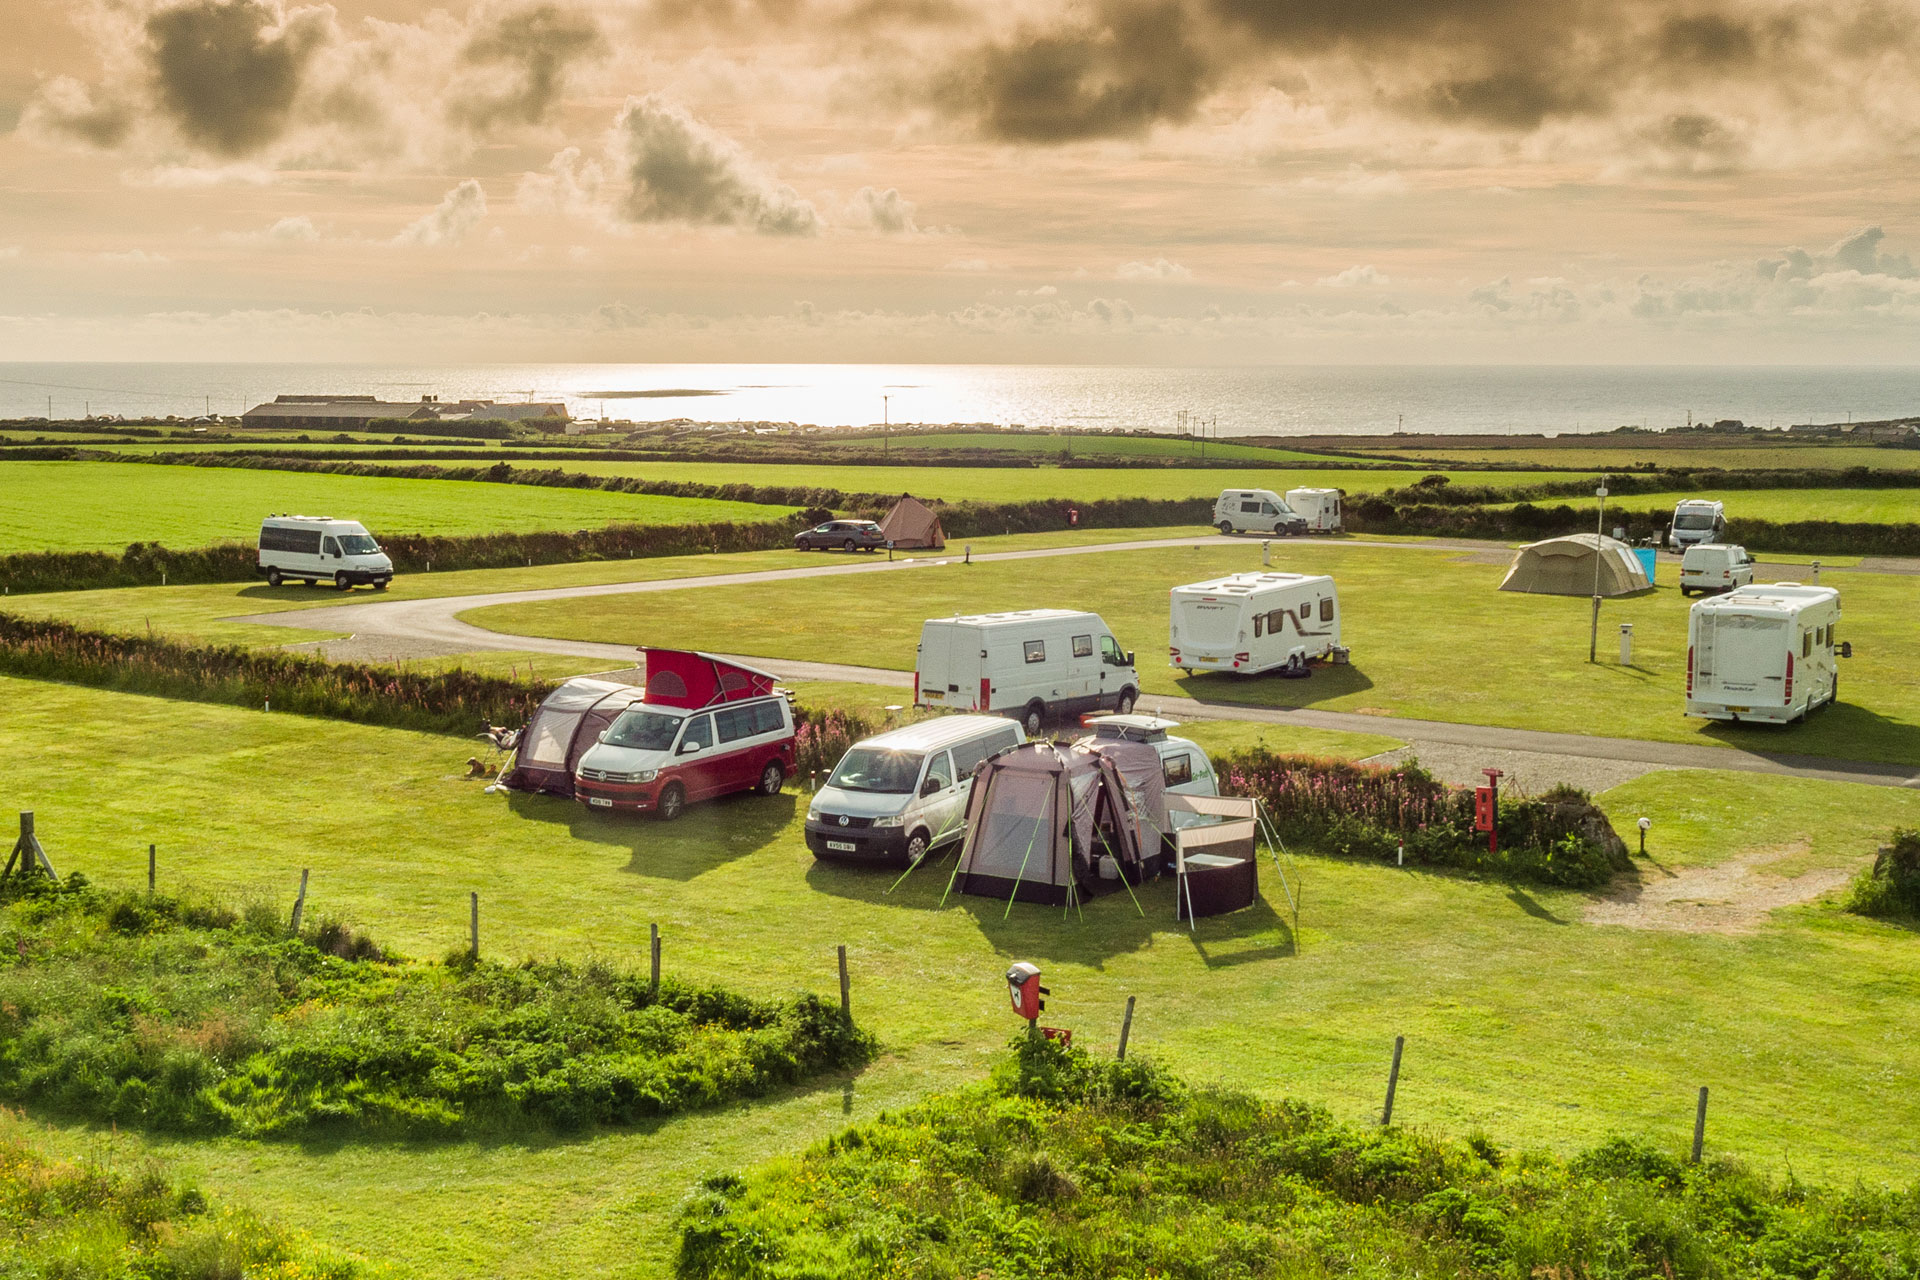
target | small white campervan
x=321, y=549
x=1255, y=511
x=1320, y=508
x=1708, y=567
x=897, y=795
x=1028, y=665
x=1764, y=653
x=1696, y=520
x=1252, y=622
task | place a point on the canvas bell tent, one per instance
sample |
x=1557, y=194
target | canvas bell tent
x=1566, y=567
x=570, y=720
x=910, y=524
x=1042, y=818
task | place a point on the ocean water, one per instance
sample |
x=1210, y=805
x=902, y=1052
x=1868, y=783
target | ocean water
x=1284, y=400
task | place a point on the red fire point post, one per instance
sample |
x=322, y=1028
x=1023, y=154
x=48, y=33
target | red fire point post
x=1073, y=517
x=1486, y=809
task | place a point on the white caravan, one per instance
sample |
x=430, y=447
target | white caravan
x=1028, y=664
x=1696, y=520
x=1255, y=511
x=1252, y=622
x=1708, y=567
x=897, y=795
x=321, y=549
x=1763, y=653
x=1320, y=508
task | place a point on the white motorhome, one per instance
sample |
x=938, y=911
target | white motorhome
x=1763, y=653
x=321, y=549
x=1320, y=508
x=1696, y=520
x=1252, y=622
x=1028, y=664
x=1708, y=567
x=1255, y=511
x=898, y=795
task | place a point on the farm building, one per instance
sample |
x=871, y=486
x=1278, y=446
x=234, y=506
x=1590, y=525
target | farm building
x=354, y=413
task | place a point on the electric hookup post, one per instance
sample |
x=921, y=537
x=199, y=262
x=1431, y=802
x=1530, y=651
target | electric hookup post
x=1486, y=809
x=1644, y=824
x=1026, y=994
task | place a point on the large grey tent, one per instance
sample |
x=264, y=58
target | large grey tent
x=1042, y=818
x=567, y=723
x=1566, y=567
x=911, y=524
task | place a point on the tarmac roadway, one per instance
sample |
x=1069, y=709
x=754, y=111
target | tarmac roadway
x=385, y=630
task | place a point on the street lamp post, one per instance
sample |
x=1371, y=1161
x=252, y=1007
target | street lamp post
x=886, y=427
x=1599, y=524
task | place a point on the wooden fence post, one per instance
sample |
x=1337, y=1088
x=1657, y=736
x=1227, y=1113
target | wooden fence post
x=152, y=858
x=653, y=948
x=474, y=946
x=846, y=991
x=1700, y=1125
x=1126, y=1029
x=299, y=905
x=1393, y=1080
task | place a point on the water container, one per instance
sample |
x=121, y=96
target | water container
x=1648, y=556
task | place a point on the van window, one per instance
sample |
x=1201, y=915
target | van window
x=699, y=730
x=1832, y=629
x=1110, y=652
x=1326, y=609
x=358, y=544
x=940, y=770
x=331, y=547
x=1250, y=508
x=968, y=755
x=734, y=723
x=1178, y=769
x=1083, y=646
x=1036, y=650
x=1268, y=509
x=767, y=718
x=304, y=542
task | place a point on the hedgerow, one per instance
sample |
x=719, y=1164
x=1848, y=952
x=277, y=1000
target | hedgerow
x=1890, y=888
x=191, y=1016
x=1081, y=1170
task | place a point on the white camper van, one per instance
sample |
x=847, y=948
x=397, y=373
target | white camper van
x=1252, y=622
x=1183, y=763
x=897, y=795
x=1696, y=520
x=321, y=549
x=1320, y=508
x=1708, y=567
x=1028, y=665
x=1255, y=511
x=1763, y=653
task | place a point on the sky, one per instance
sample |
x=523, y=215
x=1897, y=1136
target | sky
x=1116, y=181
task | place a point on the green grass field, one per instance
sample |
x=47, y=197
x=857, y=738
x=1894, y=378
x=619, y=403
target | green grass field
x=1431, y=637
x=1079, y=445
x=1629, y=454
x=1865, y=506
x=103, y=506
x=1520, y=1019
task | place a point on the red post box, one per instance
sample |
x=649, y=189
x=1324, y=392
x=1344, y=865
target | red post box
x=1024, y=990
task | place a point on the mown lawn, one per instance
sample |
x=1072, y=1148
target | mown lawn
x=1431, y=637
x=1520, y=1019
x=103, y=506
x=1867, y=506
x=1628, y=454
x=1079, y=445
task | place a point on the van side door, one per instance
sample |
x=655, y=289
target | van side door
x=940, y=799
x=694, y=758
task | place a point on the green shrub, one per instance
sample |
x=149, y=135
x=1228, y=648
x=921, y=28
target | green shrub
x=1891, y=887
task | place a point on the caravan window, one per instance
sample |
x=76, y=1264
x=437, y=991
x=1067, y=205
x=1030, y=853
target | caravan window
x=1276, y=622
x=1326, y=609
x=1036, y=650
x=1177, y=769
x=1259, y=624
x=643, y=730
x=1083, y=646
x=1806, y=644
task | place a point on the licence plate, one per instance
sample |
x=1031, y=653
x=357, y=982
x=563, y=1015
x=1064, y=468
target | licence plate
x=843, y=846
x=600, y=801
x=1740, y=710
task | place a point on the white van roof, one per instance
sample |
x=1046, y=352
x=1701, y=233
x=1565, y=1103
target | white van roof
x=1246, y=584
x=1019, y=617
x=1248, y=493
x=1714, y=503
x=310, y=520
x=931, y=735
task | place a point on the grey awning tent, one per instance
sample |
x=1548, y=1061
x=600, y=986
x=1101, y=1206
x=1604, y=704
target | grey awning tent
x=1566, y=567
x=911, y=524
x=567, y=723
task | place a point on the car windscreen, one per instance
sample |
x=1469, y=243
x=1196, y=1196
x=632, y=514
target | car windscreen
x=358, y=544
x=644, y=731
x=1693, y=520
x=888, y=772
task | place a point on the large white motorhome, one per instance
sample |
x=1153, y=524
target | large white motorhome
x=1028, y=664
x=1252, y=622
x=1763, y=653
x=1320, y=508
x=1255, y=511
x=321, y=549
x=1697, y=520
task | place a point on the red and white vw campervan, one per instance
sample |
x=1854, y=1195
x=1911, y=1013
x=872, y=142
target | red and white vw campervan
x=707, y=727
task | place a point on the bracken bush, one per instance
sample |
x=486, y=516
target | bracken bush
x=191, y=1016
x=1076, y=1169
x=1890, y=888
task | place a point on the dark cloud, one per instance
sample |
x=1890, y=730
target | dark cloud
x=1311, y=26
x=1517, y=99
x=680, y=170
x=1707, y=40
x=67, y=110
x=227, y=73
x=536, y=48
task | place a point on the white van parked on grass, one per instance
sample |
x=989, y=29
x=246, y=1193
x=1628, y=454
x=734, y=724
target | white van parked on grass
x=1696, y=520
x=1029, y=664
x=1765, y=654
x=1255, y=511
x=1708, y=567
x=1320, y=508
x=897, y=795
x=321, y=549
x=1252, y=622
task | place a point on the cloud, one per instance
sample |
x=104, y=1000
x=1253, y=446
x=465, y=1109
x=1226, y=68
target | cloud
x=678, y=170
x=295, y=229
x=227, y=71
x=1355, y=278
x=1158, y=269
x=67, y=110
x=536, y=49
x=1357, y=181
x=885, y=211
x=458, y=212
x=9, y=252
x=968, y=264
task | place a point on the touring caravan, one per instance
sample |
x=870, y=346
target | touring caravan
x=1320, y=508
x=321, y=549
x=1696, y=520
x=1255, y=511
x=1764, y=654
x=1027, y=664
x=1253, y=622
x=900, y=794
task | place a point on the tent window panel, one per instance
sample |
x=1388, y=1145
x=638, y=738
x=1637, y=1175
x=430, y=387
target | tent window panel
x=1036, y=650
x=548, y=738
x=1326, y=609
x=1082, y=647
x=732, y=682
x=666, y=685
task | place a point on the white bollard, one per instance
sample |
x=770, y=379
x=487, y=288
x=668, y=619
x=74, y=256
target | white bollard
x=1266, y=552
x=1626, y=644
x=1816, y=573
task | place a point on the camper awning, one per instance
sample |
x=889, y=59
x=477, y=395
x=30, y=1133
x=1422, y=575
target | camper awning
x=691, y=679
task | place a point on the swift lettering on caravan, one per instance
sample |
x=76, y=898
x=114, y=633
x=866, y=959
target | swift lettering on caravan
x=1764, y=654
x=1253, y=622
x=321, y=549
x=1027, y=664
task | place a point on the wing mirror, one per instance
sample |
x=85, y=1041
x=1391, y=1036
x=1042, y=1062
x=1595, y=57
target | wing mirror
x=688, y=748
x=1846, y=648
x=1129, y=657
x=930, y=786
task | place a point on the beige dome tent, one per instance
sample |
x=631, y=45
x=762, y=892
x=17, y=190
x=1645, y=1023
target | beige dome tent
x=1565, y=567
x=912, y=524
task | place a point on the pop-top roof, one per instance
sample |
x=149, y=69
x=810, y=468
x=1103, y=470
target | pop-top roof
x=689, y=679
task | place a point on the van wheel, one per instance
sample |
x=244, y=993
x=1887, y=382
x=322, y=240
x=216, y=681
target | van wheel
x=673, y=802
x=916, y=848
x=771, y=779
x=1125, y=705
x=273, y=578
x=340, y=582
x=1226, y=526
x=380, y=585
x=1030, y=718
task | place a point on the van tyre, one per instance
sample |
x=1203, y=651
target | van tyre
x=1226, y=526
x=1127, y=699
x=340, y=582
x=673, y=802
x=1032, y=717
x=916, y=848
x=273, y=578
x=772, y=778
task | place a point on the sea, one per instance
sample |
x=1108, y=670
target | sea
x=1269, y=400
